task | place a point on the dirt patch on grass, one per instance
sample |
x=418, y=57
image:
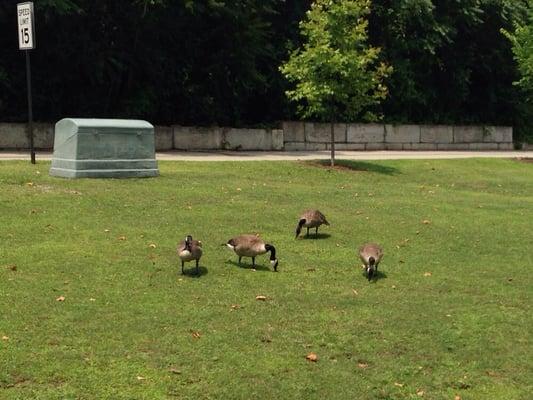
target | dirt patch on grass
x=352, y=166
x=525, y=159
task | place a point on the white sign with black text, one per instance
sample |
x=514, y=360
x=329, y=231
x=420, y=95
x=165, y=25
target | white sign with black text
x=26, y=26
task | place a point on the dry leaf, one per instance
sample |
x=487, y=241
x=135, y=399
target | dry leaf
x=175, y=371
x=107, y=230
x=239, y=189
x=196, y=335
x=141, y=378
x=393, y=286
x=362, y=365
x=61, y=298
x=30, y=184
x=235, y=306
x=91, y=299
x=398, y=384
x=152, y=245
x=121, y=238
x=420, y=393
x=312, y=357
x=427, y=273
x=5, y=337
x=262, y=298
x=426, y=222
x=457, y=397
x=12, y=267
x=355, y=292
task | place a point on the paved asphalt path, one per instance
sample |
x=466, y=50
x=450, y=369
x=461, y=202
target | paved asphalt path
x=300, y=155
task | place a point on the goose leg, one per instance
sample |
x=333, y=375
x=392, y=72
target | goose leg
x=240, y=257
x=316, y=232
x=197, y=269
x=307, y=232
x=253, y=261
x=182, y=263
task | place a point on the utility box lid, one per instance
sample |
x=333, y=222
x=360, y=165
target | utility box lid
x=103, y=148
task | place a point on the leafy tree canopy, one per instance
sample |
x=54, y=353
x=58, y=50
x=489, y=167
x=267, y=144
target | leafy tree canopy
x=336, y=73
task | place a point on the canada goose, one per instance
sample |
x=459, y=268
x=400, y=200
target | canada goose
x=311, y=219
x=252, y=246
x=189, y=250
x=371, y=254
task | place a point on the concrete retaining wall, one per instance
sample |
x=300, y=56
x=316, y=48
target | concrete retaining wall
x=297, y=135
x=316, y=136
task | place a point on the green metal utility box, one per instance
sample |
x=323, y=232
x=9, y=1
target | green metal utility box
x=103, y=148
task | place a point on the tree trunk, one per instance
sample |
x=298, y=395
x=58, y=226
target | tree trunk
x=332, y=143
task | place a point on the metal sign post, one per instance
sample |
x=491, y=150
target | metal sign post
x=27, y=42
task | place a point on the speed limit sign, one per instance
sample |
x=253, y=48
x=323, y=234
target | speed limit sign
x=25, y=25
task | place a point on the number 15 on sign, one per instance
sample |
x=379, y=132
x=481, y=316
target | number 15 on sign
x=26, y=26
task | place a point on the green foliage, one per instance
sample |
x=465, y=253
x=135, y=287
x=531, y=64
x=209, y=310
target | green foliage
x=451, y=64
x=217, y=61
x=336, y=73
x=522, y=40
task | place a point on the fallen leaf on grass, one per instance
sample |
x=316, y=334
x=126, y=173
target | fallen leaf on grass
x=427, y=273
x=107, y=230
x=121, y=238
x=420, y=392
x=355, y=292
x=175, y=371
x=5, y=337
x=92, y=299
x=262, y=298
x=30, y=184
x=12, y=267
x=426, y=222
x=196, y=335
x=235, y=307
x=398, y=384
x=152, y=245
x=61, y=298
x=312, y=357
x=141, y=378
x=362, y=365
x=457, y=397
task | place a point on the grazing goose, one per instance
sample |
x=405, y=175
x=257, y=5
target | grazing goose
x=371, y=254
x=311, y=219
x=189, y=250
x=252, y=246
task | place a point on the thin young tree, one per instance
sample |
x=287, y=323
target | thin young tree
x=337, y=74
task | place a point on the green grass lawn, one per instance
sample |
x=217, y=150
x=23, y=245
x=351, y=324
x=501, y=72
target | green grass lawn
x=450, y=314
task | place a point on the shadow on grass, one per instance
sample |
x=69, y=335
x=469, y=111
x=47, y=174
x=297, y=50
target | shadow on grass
x=258, y=267
x=356, y=166
x=377, y=276
x=191, y=272
x=313, y=236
